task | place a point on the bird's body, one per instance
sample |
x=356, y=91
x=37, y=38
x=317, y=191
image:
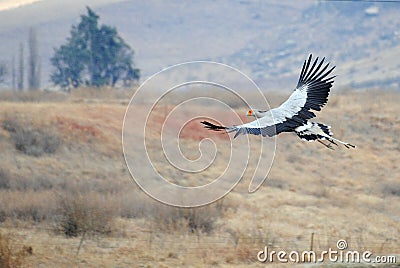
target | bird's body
x=311, y=94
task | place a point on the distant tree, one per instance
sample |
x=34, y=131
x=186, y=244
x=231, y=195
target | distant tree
x=3, y=71
x=93, y=55
x=13, y=74
x=33, y=61
x=20, y=78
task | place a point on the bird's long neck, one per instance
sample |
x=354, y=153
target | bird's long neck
x=259, y=114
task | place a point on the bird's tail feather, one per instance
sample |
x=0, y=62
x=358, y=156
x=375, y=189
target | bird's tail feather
x=214, y=127
x=211, y=126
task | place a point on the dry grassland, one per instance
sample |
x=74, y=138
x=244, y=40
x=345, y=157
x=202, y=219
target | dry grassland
x=63, y=176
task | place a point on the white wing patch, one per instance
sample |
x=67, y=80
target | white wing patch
x=288, y=109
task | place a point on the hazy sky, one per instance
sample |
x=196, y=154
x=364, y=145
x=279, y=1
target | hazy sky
x=9, y=4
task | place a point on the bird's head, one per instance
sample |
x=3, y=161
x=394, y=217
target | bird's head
x=256, y=113
x=250, y=113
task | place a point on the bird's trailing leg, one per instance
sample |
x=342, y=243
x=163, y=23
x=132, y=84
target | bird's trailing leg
x=346, y=144
x=329, y=145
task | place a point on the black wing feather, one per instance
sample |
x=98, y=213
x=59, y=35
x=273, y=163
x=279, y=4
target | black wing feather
x=318, y=86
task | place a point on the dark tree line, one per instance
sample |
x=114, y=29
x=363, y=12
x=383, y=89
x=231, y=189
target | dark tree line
x=94, y=55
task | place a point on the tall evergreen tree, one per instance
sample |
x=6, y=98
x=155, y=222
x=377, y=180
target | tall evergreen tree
x=93, y=55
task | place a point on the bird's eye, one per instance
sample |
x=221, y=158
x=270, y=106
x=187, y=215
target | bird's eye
x=250, y=112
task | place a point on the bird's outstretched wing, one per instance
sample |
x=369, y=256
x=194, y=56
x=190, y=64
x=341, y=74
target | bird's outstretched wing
x=311, y=94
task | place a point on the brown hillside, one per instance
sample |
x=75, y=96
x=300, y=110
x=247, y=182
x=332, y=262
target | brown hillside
x=76, y=158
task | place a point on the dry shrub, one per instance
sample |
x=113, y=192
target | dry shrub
x=247, y=243
x=199, y=220
x=390, y=188
x=135, y=204
x=242, y=254
x=30, y=140
x=4, y=179
x=26, y=205
x=9, y=255
x=89, y=213
x=16, y=182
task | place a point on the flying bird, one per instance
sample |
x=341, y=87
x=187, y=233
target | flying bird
x=310, y=94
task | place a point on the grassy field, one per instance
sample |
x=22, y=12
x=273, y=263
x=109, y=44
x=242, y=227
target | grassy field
x=67, y=198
